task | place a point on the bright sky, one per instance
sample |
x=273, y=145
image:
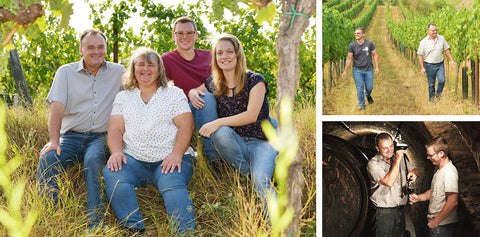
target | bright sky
x=81, y=11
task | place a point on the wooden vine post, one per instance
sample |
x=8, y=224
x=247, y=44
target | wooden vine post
x=293, y=23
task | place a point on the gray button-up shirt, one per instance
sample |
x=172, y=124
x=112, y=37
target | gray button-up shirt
x=87, y=98
x=384, y=196
x=432, y=50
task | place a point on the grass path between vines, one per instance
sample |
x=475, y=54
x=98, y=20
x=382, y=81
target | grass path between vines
x=400, y=89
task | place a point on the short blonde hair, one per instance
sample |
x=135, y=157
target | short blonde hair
x=129, y=80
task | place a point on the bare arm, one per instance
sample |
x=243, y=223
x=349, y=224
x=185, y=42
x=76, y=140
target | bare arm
x=449, y=56
x=347, y=64
x=116, y=128
x=375, y=59
x=420, y=60
x=255, y=102
x=194, y=96
x=392, y=175
x=54, y=125
x=184, y=123
x=450, y=204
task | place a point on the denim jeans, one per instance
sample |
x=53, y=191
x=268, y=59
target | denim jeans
x=363, y=82
x=203, y=116
x=433, y=71
x=208, y=114
x=120, y=187
x=390, y=222
x=249, y=156
x=89, y=148
x=448, y=230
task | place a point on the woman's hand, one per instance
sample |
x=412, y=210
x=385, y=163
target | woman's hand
x=171, y=161
x=195, y=99
x=114, y=163
x=207, y=129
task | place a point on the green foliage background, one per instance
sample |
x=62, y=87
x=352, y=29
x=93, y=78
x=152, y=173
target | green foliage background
x=41, y=55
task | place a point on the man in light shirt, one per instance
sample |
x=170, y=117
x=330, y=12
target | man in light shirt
x=430, y=57
x=388, y=180
x=443, y=194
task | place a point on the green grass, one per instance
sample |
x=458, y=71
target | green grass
x=225, y=207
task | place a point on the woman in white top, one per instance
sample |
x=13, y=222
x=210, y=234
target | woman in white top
x=149, y=135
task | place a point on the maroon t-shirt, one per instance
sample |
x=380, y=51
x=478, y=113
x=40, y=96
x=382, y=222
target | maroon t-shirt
x=188, y=74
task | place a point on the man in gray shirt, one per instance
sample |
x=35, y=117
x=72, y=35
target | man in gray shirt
x=81, y=100
x=388, y=178
x=361, y=52
x=443, y=194
x=430, y=57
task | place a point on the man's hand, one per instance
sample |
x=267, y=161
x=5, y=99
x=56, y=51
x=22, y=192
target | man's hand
x=344, y=74
x=50, y=146
x=114, y=163
x=377, y=71
x=423, y=71
x=433, y=223
x=172, y=161
x=413, y=198
x=195, y=99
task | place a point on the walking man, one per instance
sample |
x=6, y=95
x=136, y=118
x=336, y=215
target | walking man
x=361, y=52
x=80, y=102
x=443, y=194
x=430, y=57
x=387, y=172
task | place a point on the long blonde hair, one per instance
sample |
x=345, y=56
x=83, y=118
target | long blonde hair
x=240, y=69
x=129, y=80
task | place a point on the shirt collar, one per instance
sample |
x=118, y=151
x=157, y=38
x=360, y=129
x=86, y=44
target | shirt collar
x=80, y=66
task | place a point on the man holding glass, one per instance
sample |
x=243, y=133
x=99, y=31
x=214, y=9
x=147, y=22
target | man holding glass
x=443, y=194
x=388, y=180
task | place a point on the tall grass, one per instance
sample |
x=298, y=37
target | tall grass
x=225, y=207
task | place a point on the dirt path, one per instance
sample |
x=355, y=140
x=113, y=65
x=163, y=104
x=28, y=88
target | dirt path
x=400, y=89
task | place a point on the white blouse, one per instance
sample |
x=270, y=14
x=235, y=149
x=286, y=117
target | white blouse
x=149, y=129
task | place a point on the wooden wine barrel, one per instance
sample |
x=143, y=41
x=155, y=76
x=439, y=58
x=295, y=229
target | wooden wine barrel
x=345, y=192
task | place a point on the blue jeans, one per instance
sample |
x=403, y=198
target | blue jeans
x=203, y=116
x=390, y=222
x=120, y=187
x=363, y=82
x=89, y=148
x=433, y=71
x=208, y=114
x=443, y=230
x=249, y=156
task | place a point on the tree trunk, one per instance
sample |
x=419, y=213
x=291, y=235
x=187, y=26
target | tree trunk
x=288, y=44
x=19, y=77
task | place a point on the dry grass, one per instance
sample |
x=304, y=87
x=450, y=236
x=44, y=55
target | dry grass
x=226, y=207
x=400, y=89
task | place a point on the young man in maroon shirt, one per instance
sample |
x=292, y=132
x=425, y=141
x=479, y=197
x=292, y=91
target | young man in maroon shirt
x=188, y=68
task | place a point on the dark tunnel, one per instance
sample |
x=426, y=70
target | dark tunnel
x=346, y=149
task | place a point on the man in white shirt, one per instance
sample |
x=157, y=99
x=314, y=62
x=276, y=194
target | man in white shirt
x=443, y=194
x=430, y=57
x=388, y=180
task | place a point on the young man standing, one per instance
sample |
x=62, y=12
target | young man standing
x=361, y=52
x=443, y=194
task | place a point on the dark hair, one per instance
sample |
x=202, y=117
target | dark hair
x=184, y=19
x=438, y=144
x=93, y=32
x=129, y=80
x=431, y=24
x=382, y=136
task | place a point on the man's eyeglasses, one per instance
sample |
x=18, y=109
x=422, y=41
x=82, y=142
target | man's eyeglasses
x=431, y=155
x=190, y=34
